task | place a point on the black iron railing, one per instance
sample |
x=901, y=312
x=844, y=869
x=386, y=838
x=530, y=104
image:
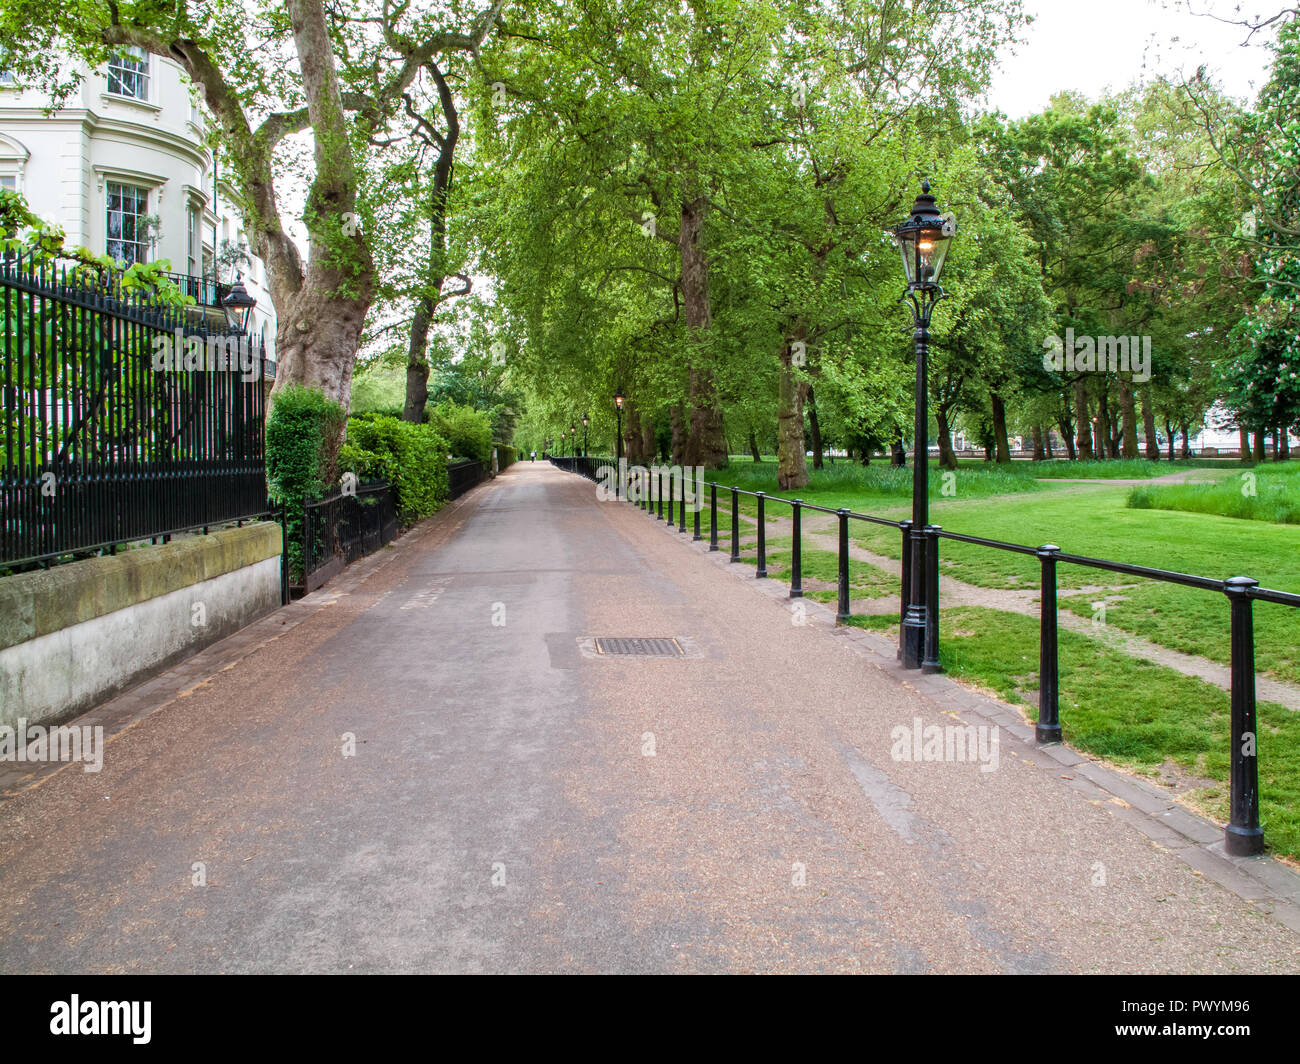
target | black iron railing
x=1243, y=835
x=342, y=528
x=461, y=476
x=105, y=436
x=205, y=291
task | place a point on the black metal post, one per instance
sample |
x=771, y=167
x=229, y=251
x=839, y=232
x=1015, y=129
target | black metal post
x=681, y=505
x=713, y=516
x=905, y=595
x=842, y=614
x=1049, y=720
x=796, y=553
x=659, y=480
x=1243, y=837
x=735, y=525
x=699, y=505
x=762, y=536
x=931, y=662
x=670, y=497
x=914, y=622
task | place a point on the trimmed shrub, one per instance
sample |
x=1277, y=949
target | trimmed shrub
x=506, y=455
x=468, y=432
x=302, y=439
x=412, y=458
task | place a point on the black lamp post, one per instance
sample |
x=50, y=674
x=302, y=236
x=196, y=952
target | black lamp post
x=923, y=239
x=618, y=411
x=585, y=421
x=573, y=439
x=618, y=444
x=238, y=305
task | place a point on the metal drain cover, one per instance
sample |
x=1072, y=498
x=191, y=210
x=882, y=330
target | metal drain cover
x=644, y=647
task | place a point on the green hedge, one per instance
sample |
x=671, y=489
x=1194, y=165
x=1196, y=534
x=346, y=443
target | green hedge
x=302, y=437
x=468, y=432
x=506, y=455
x=411, y=458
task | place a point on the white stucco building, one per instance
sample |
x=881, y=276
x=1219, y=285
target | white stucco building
x=123, y=167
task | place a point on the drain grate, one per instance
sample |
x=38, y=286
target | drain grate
x=649, y=647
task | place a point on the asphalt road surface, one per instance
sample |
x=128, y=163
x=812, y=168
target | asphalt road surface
x=514, y=803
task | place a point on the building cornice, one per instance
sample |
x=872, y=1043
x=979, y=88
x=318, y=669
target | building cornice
x=98, y=124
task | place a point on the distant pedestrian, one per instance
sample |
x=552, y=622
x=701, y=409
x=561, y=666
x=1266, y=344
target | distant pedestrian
x=534, y=457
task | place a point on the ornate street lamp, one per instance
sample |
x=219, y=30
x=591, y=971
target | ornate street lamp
x=585, y=422
x=573, y=439
x=923, y=239
x=238, y=305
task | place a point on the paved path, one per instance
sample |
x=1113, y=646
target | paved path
x=501, y=813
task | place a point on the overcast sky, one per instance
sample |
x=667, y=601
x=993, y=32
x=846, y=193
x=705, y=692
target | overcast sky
x=1092, y=45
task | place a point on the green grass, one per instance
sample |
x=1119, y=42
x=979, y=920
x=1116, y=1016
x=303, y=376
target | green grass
x=1259, y=494
x=1131, y=712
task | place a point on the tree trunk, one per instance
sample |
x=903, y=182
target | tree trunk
x=1128, y=420
x=1187, y=443
x=755, y=453
x=319, y=327
x=1278, y=436
x=1171, y=437
x=706, y=445
x=947, y=456
x=1039, y=452
x=1105, y=443
x=815, y=431
x=1243, y=442
x=1149, y=424
x=1259, y=445
x=679, y=434
x=649, y=441
x=1285, y=437
x=1067, y=434
x=791, y=449
x=1000, y=429
x=898, y=453
x=417, y=366
x=1082, y=420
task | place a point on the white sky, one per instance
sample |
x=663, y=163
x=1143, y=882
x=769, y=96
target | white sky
x=1092, y=45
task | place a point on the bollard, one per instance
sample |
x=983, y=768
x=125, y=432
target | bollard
x=670, y=497
x=681, y=505
x=1243, y=837
x=930, y=659
x=713, y=516
x=659, y=480
x=735, y=525
x=842, y=615
x=695, y=517
x=1049, y=721
x=762, y=537
x=796, y=553
x=905, y=598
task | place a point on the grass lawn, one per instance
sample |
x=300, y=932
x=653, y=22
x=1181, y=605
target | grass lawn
x=1264, y=493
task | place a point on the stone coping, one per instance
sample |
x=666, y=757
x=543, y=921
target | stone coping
x=49, y=600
